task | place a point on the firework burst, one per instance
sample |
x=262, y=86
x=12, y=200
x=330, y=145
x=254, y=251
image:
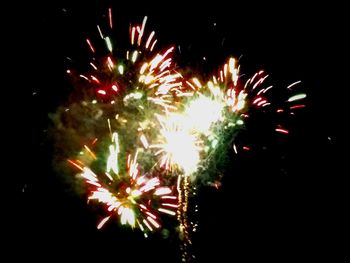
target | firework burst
x=136, y=198
x=179, y=128
x=137, y=74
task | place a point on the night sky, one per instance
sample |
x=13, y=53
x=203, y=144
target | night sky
x=281, y=200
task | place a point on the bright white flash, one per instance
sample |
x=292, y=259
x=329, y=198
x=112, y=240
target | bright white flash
x=203, y=112
x=181, y=149
x=178, y=146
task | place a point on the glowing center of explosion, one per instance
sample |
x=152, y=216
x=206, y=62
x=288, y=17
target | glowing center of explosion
x=181, y=149
x=202, y=113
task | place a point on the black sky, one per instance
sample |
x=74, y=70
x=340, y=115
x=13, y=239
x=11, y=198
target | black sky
x=281, y=203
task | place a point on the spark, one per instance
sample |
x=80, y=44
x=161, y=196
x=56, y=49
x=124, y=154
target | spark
x=170, y=205
x=168, y=197
x=115, y=87
x=163, y=191
x=280, y=130
x=297, y=97
x=134, y=56
x=103, y=221
x=93, y=65
x=150, y=219
x=121, y=69
x=132, y=35
x=90, y=45
x=109, y=44
x=100, y=32
x=293, y=84
x=149, y=39
x=142, y=30
x=95, y=79
x=144, y=141
x=197, y=83
x=110, y=17
x=84, y=77
x=148, y=225
x=110, y=63
x=102, y=92
x=235, y=148
x=298, y=106
x=166, y=211
x=76, y=165
x=90, y=152
x=114, y=150
x=153, y=45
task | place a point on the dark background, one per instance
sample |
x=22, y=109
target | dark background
x=284, y=202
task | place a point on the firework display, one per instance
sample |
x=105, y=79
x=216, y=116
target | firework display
x=141, y=133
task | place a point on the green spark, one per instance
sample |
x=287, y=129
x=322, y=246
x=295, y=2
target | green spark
x=109, y=44
x=297, y=97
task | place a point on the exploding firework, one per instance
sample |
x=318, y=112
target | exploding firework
x=179, y=127
x=135, y=77
x=134, y=197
